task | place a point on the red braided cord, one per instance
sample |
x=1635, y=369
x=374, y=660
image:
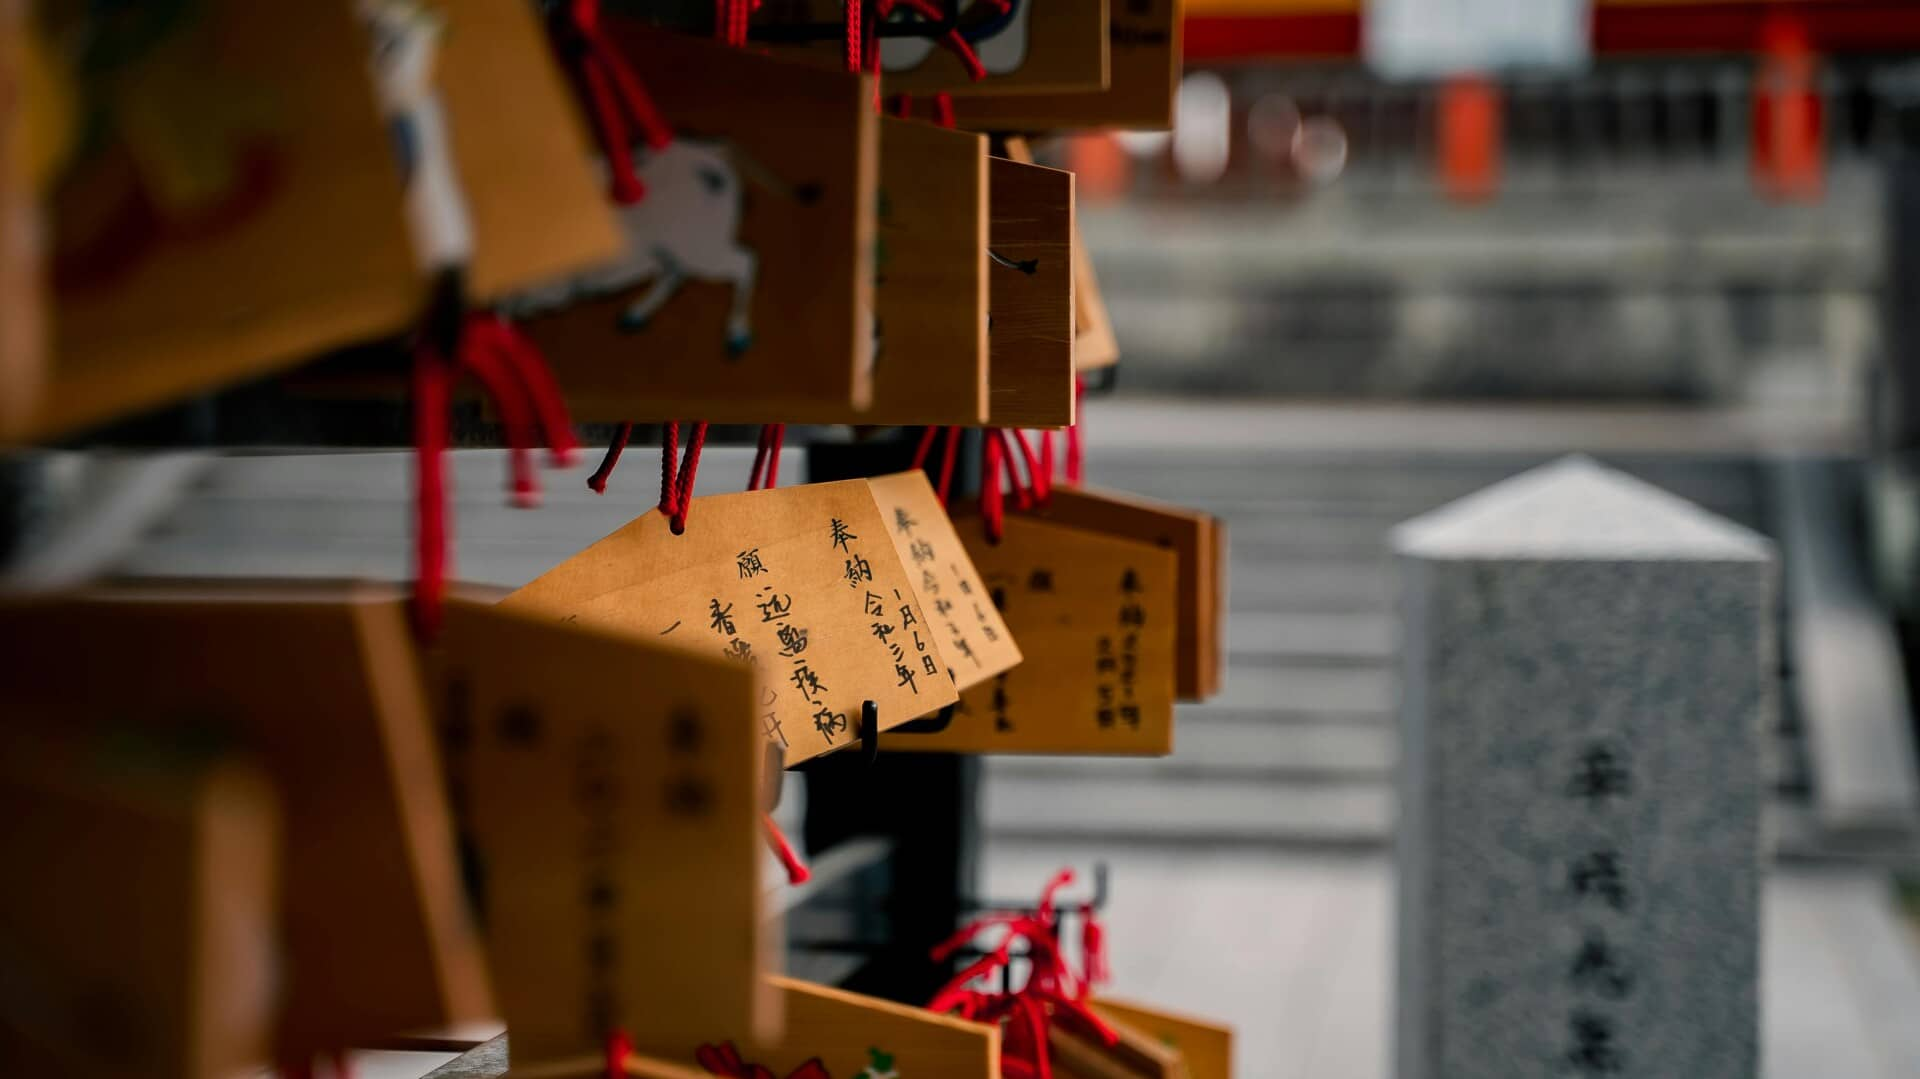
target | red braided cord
x=993, y=506
x=480, y=357
x=689, y=469
x=1037, y=476
x=772, y=455
x=925, y=448
x=754, y=475
x=946, y=464
x=854, y=36
x=1022, y=493
x=432, y=394
x=598, y=481
x=624, y=183
x=669, y=456
x=541, y=389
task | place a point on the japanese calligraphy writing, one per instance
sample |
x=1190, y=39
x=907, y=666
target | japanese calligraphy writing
x=790, y=583
x=1598, y=971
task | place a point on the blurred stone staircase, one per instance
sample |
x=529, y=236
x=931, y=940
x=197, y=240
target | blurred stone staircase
x=1300, y=746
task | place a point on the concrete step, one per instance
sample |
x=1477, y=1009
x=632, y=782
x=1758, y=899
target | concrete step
x=1220, y=746
x=1319, y=586
x=1387, y=482
x=1305, y=691
x=1340, y=638
x=1128, y=803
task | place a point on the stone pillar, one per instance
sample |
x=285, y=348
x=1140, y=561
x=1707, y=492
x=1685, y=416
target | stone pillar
x=1588, y=666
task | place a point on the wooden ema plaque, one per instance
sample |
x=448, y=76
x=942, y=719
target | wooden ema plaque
x=1137, y=1055
x=1095, y=616
x=1143, y=76
x=854, y=1035
x=537, y=202
x=801, y=583
x=1189, y=535
x=24, y=156
x=1206, y=1046
x=849, y=1035
x=322, y=684
x=140, y=917
x=745, y=290
x=974, y=639
x=612, y=785
x=930, y=291
x=1094, y=345
x=238, y=209
x=1030, y=296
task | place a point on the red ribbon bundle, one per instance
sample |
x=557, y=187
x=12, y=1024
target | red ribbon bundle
x=1052, y=995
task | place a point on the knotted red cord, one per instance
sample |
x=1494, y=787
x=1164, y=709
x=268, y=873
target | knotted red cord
x=943, y=109
x=614, y=96
x=797, y=871
x=1052, y=994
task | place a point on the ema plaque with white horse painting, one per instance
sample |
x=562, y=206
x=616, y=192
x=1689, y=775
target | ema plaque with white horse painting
x=745, y=288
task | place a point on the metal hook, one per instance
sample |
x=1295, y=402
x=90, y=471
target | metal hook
x=869, y=732
x=1025, y=266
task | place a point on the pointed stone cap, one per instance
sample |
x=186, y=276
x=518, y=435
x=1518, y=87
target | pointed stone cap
x=1577, y=509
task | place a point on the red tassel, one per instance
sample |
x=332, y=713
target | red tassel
x=1093, y=949
x=797, y=871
